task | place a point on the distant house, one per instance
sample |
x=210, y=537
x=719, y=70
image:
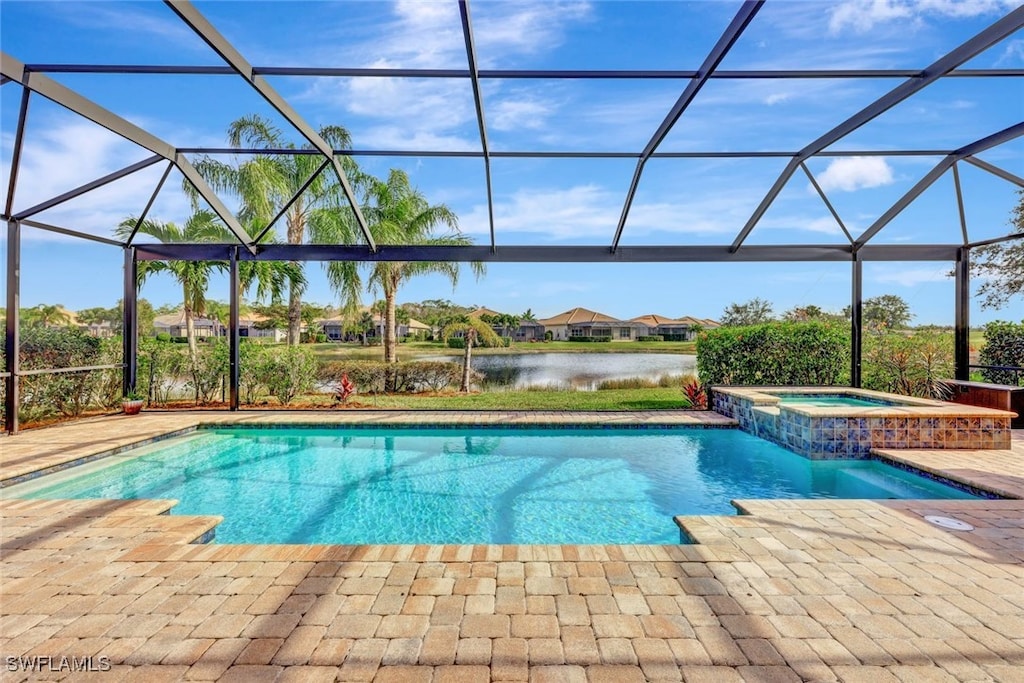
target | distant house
x=529, y=330
x=334, y=328
x=103, y=330
x=526, y=331
x=684, y=329
x=252, y=326
x=174, y=325
x=701, y=323
x=581, y=322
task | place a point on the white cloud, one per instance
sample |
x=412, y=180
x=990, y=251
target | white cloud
x=863, y=16
x=825, y=225
x=911, y=277
x=854, y=173
x=1013, y=53
x=592, y=212
x=133, y=23
x=401, y=137
x=429, y=35
x=518, y=113
x=67, y=152
x=516, y=27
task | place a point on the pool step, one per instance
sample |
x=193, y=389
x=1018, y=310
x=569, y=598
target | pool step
x=62, y=528
x=91, y=507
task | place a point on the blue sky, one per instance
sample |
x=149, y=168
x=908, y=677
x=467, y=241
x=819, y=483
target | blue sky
x=679, y=201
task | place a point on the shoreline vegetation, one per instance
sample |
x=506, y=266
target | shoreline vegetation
x=413, y=350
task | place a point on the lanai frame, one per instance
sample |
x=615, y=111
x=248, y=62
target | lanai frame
x=34, y=80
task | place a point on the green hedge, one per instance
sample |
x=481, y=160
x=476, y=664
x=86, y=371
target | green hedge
x=66, y=394
x=456, y=342
x=776, y=353
x=651, y=338
x=1004, y=345
x=593, y=340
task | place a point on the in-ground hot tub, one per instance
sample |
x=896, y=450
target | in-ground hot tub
x=840, y=422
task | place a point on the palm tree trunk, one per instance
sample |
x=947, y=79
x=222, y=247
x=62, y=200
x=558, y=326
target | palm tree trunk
x=467, y=359
x=296, y=228
x=193, y=351
x=190, y=323
x=294, y=315
x=390, y=346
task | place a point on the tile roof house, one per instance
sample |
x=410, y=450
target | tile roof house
x=334, y=328
x=674, y=329
x=174, y=325
x=582, y=322
x=527, y=330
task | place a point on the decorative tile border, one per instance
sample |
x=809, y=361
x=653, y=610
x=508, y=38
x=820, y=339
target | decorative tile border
x=829, y=434
x=435, y=426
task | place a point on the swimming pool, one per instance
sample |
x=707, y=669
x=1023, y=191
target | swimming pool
x=478, y=486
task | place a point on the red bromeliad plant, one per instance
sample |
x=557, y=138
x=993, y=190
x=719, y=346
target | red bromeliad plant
x=696, y=394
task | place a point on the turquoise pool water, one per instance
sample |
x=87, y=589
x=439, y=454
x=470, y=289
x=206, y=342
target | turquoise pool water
x=476, y=486
x=829, y=400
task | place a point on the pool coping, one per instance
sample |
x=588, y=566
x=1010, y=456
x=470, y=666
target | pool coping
x=909, y=405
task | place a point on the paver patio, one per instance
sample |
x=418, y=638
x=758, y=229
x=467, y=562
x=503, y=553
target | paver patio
x=791, y=591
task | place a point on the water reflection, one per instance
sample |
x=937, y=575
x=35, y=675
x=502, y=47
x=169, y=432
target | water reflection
x=581, y=371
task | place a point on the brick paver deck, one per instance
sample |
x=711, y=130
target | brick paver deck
x=791, y=591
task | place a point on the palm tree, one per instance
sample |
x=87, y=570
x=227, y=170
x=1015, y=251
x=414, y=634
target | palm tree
x=396, y=214
x=194, y=276
x=48, y=315
x=365, y=324
x=473, y=330
x=265, y=182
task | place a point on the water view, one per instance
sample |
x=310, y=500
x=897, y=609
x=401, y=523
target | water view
x=581, y=371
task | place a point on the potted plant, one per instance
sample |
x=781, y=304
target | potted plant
x=131, y=403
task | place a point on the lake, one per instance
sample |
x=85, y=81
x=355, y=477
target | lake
x=583, y=371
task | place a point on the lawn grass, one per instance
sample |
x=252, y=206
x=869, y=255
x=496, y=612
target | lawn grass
x=414, y=350
x=612, y=399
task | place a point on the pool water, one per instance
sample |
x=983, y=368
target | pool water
x=478, y=486
x=827, y=401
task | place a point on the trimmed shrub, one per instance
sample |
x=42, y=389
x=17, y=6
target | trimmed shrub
x=1004, y=345
x=252, y=362
x=208, y=370
x=456, y=342
x=163, y=336
x=590, y=339
x=160, y=364
x=651, y=338
x=776, y=353
x=289, y=371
